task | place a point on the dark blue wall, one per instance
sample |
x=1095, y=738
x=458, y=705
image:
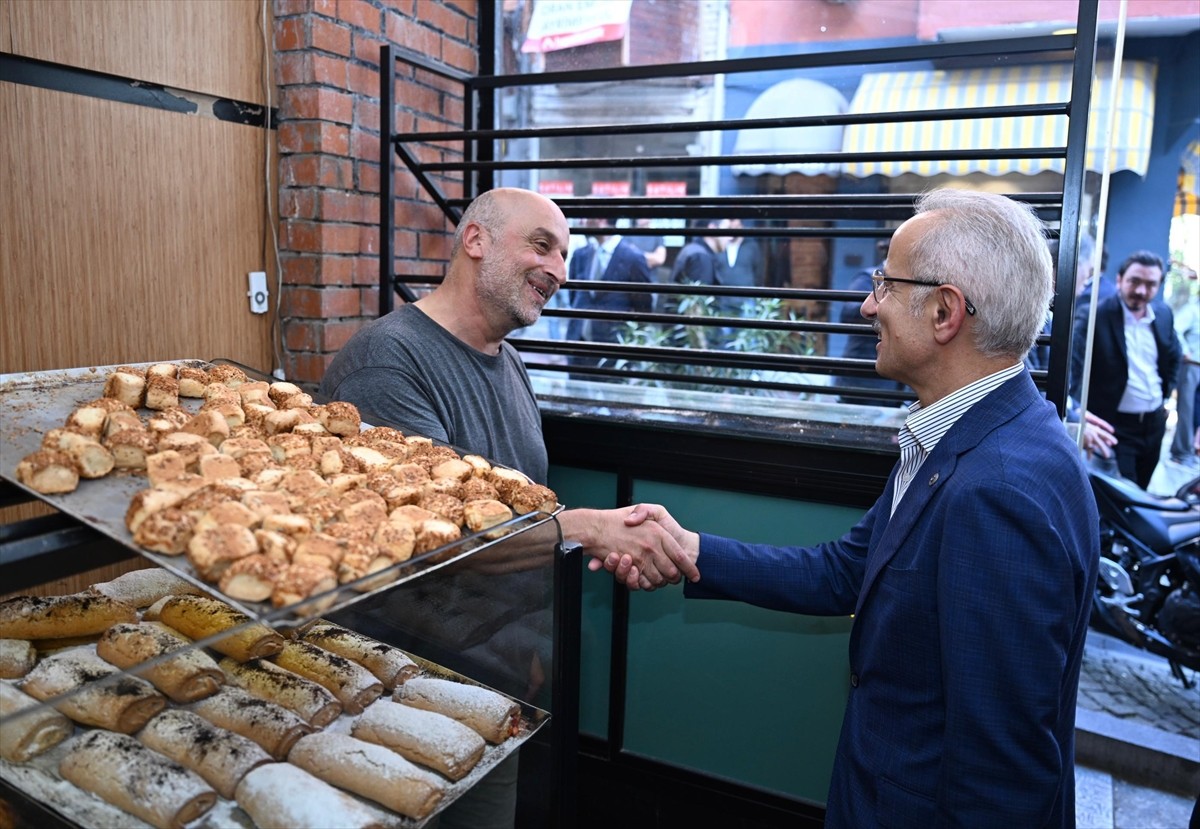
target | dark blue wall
x=1140, y=209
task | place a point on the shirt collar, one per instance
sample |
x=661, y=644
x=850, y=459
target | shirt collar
x=928, y=426
x=1130, y=319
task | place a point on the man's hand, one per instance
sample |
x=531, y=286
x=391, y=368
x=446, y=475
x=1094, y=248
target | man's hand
x=612, y=535
x=646, y=573
x=1098, y=437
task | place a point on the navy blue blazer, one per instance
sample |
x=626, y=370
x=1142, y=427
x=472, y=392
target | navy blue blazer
x=971, y=607
x=627, y=264
x=1110, y=365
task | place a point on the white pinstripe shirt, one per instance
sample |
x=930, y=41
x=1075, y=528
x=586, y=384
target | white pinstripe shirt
x=925, y=427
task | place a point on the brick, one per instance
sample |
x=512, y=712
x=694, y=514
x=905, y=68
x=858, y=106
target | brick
x=368, y=239
x=434, y=246
x=418, y=216
x=292, y=69
x=314, y=103
x=290, y=34
x=404, y=244
x=366, y=270
x=403, y=7
x=460, y=55
x=364, y=145
x=289, y=7
x=297, y=204
x=366, y=48
x=438, y=82
x=337, y=270
x=336, y=334
x=320, y=303
x=301, y=270
x=363, y=79
x=366, y=115
x=336, y=206
x=302, y=335
x=328, y=8
x=412, y=35
x=470, y=8
x=306, y=367
x=420, y=267
x=329, y=36
x=330, y=70
x=419, y=98
x=316, y=171
x=445, y=19
x=368, y=299
x=360, y=14
x=368, y=177
x=314, y=137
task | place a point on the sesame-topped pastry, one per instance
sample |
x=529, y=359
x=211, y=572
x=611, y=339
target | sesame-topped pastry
x=231, y=376
x=48, y=471
x=340, y=418
x=192, y=381
x=162, y=392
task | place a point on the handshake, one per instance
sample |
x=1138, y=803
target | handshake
x=642, y=546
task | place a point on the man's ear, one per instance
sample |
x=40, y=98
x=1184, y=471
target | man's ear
x=474, y=240
x=949, y=313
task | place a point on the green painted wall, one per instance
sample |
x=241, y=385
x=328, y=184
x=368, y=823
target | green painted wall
x=734, y=691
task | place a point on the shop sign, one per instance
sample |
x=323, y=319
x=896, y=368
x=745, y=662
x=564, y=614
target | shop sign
x=666, y=189
x=556, y=187
x=610, y=188
x=565, y=24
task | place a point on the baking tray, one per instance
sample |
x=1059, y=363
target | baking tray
x=32, y=403
x=38, y=780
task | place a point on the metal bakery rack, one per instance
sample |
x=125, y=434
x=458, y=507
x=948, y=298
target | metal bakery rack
x=501, y=612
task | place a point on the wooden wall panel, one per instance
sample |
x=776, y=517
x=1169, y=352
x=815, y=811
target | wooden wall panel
x=209, y=46
x=128, y=234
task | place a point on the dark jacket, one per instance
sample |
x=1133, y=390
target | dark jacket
x=1110, y=366
x=627, y=264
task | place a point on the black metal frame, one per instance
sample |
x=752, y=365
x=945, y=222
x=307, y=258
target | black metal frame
x=478, y=166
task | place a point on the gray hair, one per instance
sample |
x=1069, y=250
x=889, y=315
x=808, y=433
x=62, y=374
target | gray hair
x=994, y=249
x=487, y=211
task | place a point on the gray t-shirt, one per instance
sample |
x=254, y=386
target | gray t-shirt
x=409, y=372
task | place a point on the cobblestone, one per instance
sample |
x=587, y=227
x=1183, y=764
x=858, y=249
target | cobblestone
x=1138, y=688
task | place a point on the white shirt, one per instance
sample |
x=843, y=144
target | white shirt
x=925, y=427
x=1143, y=387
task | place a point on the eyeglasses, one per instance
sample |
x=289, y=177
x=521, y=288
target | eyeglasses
x=879, y=279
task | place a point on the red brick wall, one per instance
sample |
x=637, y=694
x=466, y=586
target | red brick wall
x=327, y=76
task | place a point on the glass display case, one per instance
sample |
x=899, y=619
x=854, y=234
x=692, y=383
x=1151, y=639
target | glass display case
x=487, y=610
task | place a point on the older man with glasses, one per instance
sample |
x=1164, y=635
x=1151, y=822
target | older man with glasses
x=971, y=578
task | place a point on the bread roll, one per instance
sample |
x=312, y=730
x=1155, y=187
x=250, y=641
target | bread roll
x=491, y=715
x=483, y=514
x=199, y=617
x=190, y=674
x=16, y=657
x=391, y=666
x=282, y=687
x=49, y=472
x=371, y=771
x=431, y=739
x=353, y=685
x=142, y=588
x=26, y=735
x=58, y=617
x=280, y=794
x=168, y=531
x=135, y=779
x=99, y=694
x=92, y=459
x=271, y=726
x=221, y=757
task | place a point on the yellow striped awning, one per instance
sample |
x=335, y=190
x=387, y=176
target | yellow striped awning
x=934, y=90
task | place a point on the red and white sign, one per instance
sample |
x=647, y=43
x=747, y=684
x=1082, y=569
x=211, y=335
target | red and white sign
x=556, y=187
x=666, y=189
x=565, y=24
x=610, y=188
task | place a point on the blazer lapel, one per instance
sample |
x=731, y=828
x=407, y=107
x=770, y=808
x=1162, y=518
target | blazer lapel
x=988, y=414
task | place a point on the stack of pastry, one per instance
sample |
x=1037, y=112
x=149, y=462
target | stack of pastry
x=270, y=496
x=258, y=709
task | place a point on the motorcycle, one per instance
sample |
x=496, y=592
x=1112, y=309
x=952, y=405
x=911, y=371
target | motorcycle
x=1148, y=590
